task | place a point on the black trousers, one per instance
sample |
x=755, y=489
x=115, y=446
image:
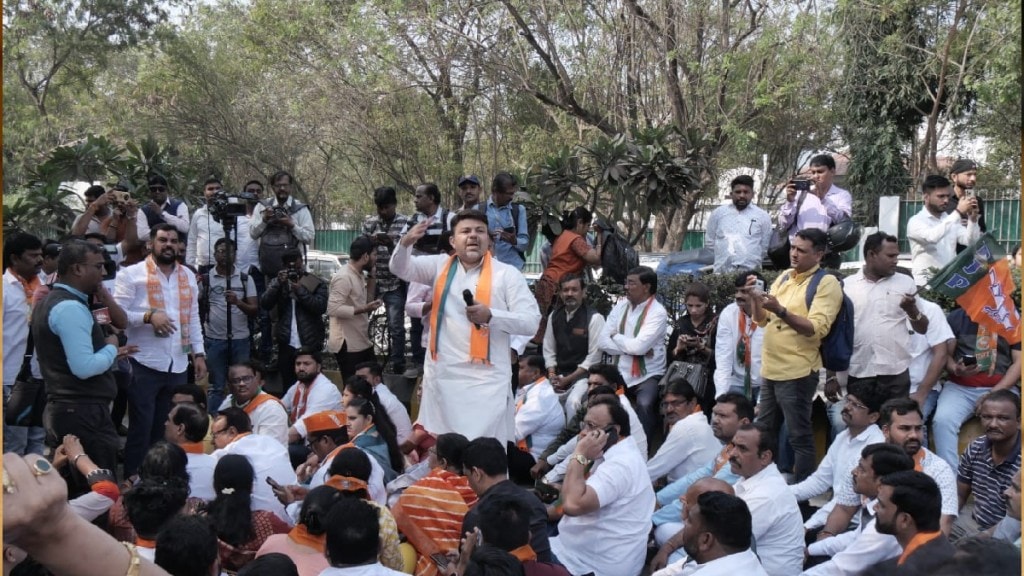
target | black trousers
x=347, y=361
x=89, y=420
x=888, y=386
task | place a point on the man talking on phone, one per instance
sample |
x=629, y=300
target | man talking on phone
x=606, y=496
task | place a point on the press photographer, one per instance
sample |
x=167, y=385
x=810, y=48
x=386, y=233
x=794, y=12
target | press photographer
x=302, y=296
x=280, y=224
x=217, y=219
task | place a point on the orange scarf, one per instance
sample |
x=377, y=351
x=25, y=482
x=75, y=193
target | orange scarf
x=239, y=437
x=919, y=539
x=300, y=400
x=155, y=292
x=301, y=536
x=193, y=447
x=29, y=286
x=919, y=461
x=479, y=340
x=639, y=367
x=144, y=543
x=524, y=553
x=723, y=458
x=258, y=400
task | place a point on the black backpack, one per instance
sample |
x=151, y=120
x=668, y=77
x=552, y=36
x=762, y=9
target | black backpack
x=617, y=258
x=837, y=346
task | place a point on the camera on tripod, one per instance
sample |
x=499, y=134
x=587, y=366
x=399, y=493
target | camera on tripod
x=229, y=206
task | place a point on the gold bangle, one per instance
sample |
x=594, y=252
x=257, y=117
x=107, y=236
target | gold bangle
x=134, y=562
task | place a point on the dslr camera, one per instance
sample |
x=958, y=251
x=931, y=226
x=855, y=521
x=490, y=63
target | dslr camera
x=293, y=275
x=280, y=212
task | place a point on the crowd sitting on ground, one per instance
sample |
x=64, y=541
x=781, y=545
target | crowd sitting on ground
x=547, y=439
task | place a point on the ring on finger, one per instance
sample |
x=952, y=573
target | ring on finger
x=41, y=466
x=9, y=486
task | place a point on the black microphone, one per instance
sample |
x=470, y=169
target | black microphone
x=468, y=297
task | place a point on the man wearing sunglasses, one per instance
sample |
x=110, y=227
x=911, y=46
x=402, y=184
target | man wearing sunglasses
x=161, y=209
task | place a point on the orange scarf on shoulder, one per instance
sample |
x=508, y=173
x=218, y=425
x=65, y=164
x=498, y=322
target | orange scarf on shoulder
x=259, y=400
x=155, y=293
x=479, y=340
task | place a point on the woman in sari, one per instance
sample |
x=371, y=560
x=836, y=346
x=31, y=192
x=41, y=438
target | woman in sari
x=376, y=440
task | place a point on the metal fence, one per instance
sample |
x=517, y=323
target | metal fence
x=1002, y=218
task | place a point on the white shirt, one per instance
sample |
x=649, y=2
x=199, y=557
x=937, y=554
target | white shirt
x=178, y=219
x=931, y=465
x=560, y=459
x=933, y=241
x=269, y=459
x=540, y=417
x=778, y=528
x=200, y=476
x=855, y=551
x=649, y=342
x=322, y=395
x=247, y=254
x=739, y=564
x=160, y=354
x=594, y=328
x=612, y=540
x=835, y=469
x=375, y=569
x=880, y=338
x=203, y=233
x=729, y=368
x=920, y=346
x=739, y=238
x=690, y=444
x=459, y=395
x=268, y=419
x=396, y=411
x=17, y=306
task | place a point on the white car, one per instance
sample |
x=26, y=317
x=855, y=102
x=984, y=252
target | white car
x=324, y=264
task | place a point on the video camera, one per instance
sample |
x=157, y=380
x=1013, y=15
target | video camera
x=228, y=206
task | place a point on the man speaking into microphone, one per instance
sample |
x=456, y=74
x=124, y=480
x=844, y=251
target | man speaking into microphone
x=468, y=365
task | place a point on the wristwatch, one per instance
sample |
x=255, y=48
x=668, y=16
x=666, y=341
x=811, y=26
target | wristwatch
x=581, y=459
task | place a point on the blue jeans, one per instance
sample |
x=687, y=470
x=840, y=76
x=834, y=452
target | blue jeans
x=149, y=402
x=791, y=400
x=218, y=359
x=835, y=419
x=394, y=306
x=22, y=439
x=956, y=404
x=930, y=402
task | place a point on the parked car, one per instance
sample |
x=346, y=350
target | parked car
x=324, y=264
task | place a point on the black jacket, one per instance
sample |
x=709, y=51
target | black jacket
x=310, y=307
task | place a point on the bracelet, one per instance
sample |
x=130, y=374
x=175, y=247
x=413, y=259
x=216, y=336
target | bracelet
x=134, y=562
x=74, y=461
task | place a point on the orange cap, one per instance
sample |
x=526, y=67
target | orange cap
x=326, y=421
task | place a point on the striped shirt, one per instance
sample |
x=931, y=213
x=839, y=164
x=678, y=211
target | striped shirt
x=442, y=221
x=987, y=480
x=386, y=281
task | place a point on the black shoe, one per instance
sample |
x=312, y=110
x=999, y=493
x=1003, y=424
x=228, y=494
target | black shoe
x=122, y=430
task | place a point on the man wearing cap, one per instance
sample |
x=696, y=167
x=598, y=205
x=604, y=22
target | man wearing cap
x=162, y=209
x=266, y=413
x=469, y=191
x=964, y=175
x=506, y=220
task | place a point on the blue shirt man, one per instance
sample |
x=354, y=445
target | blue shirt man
x=507, y=222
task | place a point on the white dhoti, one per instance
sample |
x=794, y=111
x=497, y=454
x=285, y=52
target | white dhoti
x=459, y=395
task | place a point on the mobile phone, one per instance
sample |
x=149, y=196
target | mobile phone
x=802, y=185
x=440, y=560
x=759, y=285
x=969, y=360
x=273, y=484
x=613, y=437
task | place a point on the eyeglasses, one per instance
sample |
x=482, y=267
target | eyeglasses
x=672, y=403
x=247, y=379
x=592, y=426
x=854, y=404
x=216, y=433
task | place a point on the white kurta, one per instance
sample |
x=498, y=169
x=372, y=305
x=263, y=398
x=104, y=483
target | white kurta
x=458, y=395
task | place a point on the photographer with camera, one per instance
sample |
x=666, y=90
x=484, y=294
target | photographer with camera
x=803, y=204
x=204, y=230
x=300, y=296
x=227, y=299
x=280, y=226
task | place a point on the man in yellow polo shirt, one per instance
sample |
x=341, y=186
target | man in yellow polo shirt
x=792, y=335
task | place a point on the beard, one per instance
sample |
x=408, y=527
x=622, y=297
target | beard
x=306, y=377
x=166, y=257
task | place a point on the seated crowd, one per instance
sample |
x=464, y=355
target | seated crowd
x=616, y=462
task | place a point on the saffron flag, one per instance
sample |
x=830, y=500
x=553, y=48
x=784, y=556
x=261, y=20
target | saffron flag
x=979, y=279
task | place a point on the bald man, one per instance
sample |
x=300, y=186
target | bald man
x=671, y=555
